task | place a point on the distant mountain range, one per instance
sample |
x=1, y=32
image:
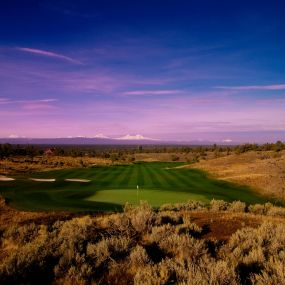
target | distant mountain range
x=100, y=141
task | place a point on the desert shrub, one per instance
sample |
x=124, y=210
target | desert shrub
x=22, y=234
x=72, y=277
x=167, y=207
x=259, y=208
x=117, y=222
x=75, y=228
x=117, y=273
x=118, y=244
x=208, y=271
x=194, y=205
x=142, y=217
x=168, y=217
x=188, y=206
x=218, y=205
x=237, y=207
x=250, y=250
x=31, y=257
x=186, y=217
x=139, y=257
x=73, y=234
x=70, y=242
x=99, y=252
x=160, y=232
x=175, y=157
x=79, y=273
x=169, y=271
x=107, y=248
x=72, y=267
x=276, y=211
x=161, y=273
x=219, y=272
x=189, y=229
x=183, y=247
x=2, y=202
x=142, y=246
x=29, y=263
x=246, y=239
x=274, y=273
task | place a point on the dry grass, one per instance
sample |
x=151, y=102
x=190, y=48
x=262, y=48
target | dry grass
x=45, y=163
x=264, y=171
x=173, y=156
x=151, y=157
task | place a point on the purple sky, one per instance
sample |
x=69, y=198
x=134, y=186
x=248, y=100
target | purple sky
x=75, y=73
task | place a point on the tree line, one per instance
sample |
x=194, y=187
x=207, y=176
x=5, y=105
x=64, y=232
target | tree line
x=9, y=150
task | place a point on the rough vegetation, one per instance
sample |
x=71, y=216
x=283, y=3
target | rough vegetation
x=263, y=171
x=227, y=243
x=23, y=164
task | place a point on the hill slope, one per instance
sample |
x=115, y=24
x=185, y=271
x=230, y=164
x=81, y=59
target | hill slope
x=264, y=171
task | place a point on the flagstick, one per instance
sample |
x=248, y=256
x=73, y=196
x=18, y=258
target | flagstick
x=137, y=194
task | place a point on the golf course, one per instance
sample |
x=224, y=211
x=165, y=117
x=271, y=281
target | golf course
x=108, y=188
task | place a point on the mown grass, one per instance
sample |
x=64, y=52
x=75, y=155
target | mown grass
x=112, y=186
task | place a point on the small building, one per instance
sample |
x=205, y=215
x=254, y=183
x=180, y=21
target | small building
x=49, y=151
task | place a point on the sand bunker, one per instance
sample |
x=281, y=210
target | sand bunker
x=5, y=178
x=77, y=180
x=42, y=180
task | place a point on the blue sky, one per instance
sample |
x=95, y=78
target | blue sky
x=172, y=70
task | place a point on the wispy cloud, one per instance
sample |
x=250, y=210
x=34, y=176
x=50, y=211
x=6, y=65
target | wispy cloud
x=27, y=107
x=48, y=54
x=4, y=101
x=254, y=87
x=271, y=101
x=35, y=77
x=152, y=92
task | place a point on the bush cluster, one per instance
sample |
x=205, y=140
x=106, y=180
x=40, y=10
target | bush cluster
x=144, y=246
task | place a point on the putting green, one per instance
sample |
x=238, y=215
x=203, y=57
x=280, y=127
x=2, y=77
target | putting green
x=133, y=196
x=110, y=187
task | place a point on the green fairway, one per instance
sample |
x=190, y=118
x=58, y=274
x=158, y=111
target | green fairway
x=112, y=186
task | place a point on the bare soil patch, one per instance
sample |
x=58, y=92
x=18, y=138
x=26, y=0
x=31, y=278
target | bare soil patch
x=221, y=225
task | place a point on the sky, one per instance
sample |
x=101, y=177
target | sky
x=169, y=70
